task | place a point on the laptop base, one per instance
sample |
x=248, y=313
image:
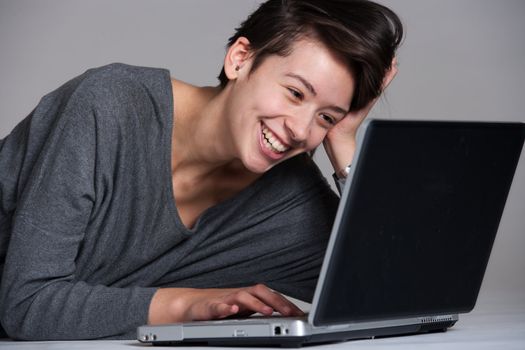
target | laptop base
x=298, y=341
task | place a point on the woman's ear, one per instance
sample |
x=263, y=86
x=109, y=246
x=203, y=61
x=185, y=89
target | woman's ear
x=237, y=58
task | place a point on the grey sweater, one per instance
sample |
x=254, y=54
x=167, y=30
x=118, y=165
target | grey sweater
x=89, y=227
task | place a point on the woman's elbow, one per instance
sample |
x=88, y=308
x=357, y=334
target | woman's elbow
x=16, y=322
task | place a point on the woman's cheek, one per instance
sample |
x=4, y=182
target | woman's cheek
x=317, y=137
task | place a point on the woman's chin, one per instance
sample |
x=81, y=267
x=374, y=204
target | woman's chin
x=258, y=166
x=260, y=163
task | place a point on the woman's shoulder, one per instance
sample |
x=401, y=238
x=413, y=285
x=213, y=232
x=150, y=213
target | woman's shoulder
x=121, y=72
x=115, y=91
x=299, y=176
x=112, y=98
x=122, y=83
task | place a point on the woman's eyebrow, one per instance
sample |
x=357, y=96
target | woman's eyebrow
x=305, y=82
x=339, y=110
x=310, y=88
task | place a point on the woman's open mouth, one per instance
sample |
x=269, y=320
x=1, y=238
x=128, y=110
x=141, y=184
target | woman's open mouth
x=271, y=144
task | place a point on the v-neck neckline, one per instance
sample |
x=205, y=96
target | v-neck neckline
x=167, y=135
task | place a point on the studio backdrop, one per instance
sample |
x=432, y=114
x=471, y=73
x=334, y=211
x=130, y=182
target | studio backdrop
x=461, y=60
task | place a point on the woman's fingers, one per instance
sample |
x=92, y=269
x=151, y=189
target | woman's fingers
x=389, y=76
x=278, y=302
x=249, y=302
x=209, y=310
x=207, y=304
x=258, y=298
x=221, y=310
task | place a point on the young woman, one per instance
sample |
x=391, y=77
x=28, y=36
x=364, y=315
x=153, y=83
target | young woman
x=129, y=197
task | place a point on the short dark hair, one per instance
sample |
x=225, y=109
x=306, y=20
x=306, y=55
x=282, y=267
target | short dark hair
x=363, y=33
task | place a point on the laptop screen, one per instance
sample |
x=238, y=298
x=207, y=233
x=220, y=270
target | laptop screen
x=420, y=219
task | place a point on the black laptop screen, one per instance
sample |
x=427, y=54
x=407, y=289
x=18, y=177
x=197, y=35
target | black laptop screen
x=420, y=219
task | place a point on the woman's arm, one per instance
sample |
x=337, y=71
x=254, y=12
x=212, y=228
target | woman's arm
x=340, y=143
x=41, y=296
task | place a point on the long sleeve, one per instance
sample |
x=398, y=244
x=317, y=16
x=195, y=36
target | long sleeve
x=42, y=297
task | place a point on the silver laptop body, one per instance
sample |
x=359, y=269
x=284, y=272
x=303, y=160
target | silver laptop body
x=410, y=242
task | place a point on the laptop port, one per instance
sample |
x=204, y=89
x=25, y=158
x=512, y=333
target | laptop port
x=277, y=330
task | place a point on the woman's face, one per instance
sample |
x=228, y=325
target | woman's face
x=288, y=104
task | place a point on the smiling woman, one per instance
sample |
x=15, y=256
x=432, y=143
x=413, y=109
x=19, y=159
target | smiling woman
x=285, y=106
x=128, y=196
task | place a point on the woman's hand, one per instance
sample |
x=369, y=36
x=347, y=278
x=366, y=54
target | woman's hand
x=171, y=305
x=340, y=142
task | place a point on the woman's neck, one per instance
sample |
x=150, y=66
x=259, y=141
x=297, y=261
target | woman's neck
x=201, y=140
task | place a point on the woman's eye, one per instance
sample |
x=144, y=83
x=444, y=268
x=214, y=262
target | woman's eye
x=296, y=94
x=328, y=119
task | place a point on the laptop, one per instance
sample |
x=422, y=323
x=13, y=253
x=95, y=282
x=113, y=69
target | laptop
x=410, y=242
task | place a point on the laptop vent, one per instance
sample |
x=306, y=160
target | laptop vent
x=436, y=326
x=436, y=319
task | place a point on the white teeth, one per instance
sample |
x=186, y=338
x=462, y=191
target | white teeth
x=272, y=143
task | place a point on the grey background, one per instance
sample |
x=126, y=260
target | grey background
x=461, y=59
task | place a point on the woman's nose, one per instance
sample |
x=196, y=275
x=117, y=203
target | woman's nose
x=299, y=127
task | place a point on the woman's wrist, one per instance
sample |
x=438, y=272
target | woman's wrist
x=342, y=174
x=340, y=153
x=167, y=306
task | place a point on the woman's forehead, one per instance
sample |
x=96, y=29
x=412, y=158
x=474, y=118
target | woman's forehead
x=314, y=63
